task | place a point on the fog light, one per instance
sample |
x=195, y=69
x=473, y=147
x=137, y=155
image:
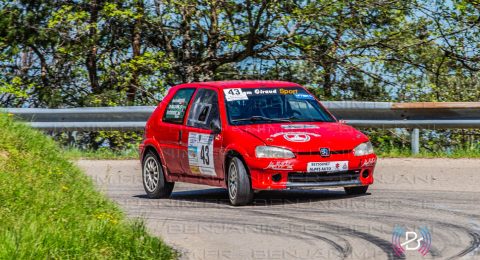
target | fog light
x=276, y=177
x=365, y=174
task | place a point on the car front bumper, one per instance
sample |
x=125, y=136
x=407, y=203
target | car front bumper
x=359, y=173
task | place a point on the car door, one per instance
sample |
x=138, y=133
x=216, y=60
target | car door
x=170, y=130
x=199, y=140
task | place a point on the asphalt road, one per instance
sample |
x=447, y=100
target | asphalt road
x=441, y=194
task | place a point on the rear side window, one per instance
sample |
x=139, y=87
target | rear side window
x=204, y=109
x=175, y=111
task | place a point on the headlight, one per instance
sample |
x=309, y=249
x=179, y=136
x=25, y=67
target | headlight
x=273, y=152
x=363, y=149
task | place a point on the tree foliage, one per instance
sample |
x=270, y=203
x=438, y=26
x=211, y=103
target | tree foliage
x=110, y=52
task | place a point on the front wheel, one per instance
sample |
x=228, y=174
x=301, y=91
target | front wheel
x=154, y=181
x=239, y=187
x=356, y=190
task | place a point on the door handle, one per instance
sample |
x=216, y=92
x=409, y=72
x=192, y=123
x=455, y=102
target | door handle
x=180, y=136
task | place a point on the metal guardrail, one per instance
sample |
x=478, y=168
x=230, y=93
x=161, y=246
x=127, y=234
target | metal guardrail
x=423, y=115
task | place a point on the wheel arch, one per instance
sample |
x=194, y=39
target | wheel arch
x=152, y=148
x=228, y=156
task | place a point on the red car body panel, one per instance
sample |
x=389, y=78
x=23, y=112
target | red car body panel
x=170, y=142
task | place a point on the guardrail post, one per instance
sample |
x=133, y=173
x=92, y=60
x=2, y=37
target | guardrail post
x=415, y=141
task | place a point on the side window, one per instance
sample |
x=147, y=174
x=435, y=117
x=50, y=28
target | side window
x=204, y=109
x=175, y=111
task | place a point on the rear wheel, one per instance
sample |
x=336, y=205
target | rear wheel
x=153, y=178
x=356, y=190
x=239, y=187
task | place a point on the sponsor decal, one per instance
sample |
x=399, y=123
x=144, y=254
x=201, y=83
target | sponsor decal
x=176, y=108
x=267, y=91
x=288, y=91
x=297, y=137
x=299, y=126
x=279, y=165
x=369, y=162
x=335, y=166
x=200, y=153
x=420, y=241
x=304, y=97
x=195, y=170
x=324, y=152
x=192, y=152
x=233, y=94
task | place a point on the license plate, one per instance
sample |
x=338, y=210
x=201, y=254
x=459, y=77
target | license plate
x=336, y=166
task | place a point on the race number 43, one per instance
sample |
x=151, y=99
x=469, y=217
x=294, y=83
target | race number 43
x=232, y=94
x=204, y=154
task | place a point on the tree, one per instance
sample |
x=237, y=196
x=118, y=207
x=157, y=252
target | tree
x=109, y=52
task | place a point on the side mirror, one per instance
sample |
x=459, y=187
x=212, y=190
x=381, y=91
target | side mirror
x=215, y=126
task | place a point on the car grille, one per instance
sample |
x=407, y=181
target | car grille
x=318, y=152
x=323, y=177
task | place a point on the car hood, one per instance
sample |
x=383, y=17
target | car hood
x=305, y=137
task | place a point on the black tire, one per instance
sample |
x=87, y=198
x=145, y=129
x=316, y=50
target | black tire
x=238, y=183
x=356, y=190
x=153, y=178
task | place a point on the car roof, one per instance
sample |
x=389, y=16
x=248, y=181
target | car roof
x=241, y=84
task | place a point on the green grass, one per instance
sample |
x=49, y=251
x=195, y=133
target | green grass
x=423, y=153
x=50, y=209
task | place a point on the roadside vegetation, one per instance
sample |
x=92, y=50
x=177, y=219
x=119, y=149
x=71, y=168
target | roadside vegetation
x=50, y=209
x=100, y=154
x=423, y=153
x=443, y=143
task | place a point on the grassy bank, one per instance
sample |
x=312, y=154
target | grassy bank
x=49, y=209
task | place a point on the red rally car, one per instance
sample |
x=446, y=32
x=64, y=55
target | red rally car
x=247, y=136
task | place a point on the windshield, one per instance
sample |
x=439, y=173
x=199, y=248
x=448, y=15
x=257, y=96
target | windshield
x=267, y=105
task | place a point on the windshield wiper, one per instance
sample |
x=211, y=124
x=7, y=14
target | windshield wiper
x=292, y=118
x=261, y=118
